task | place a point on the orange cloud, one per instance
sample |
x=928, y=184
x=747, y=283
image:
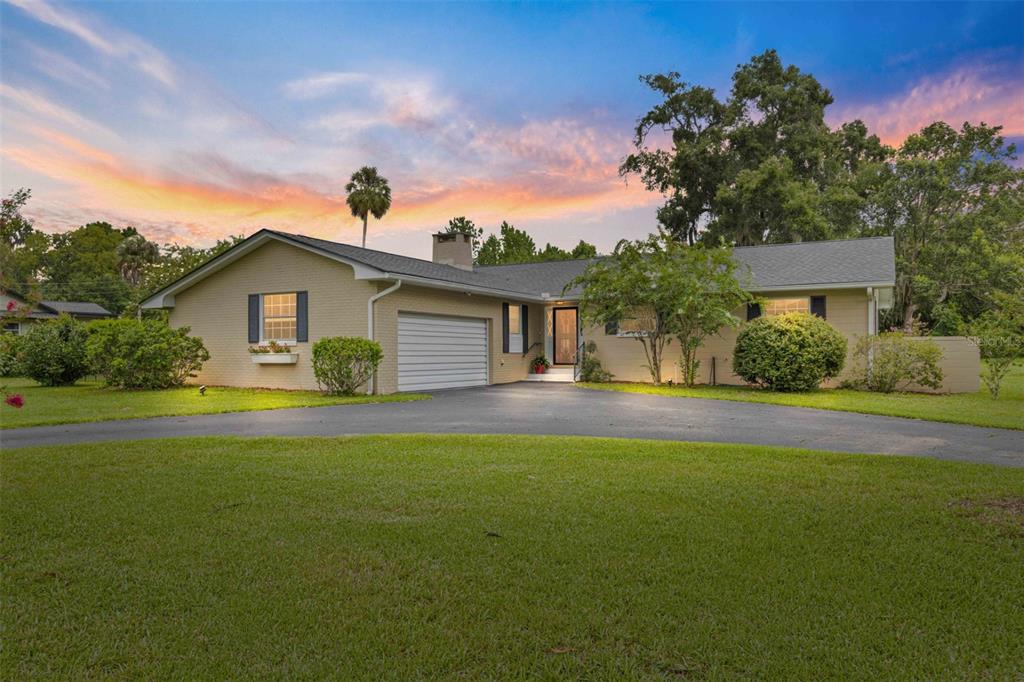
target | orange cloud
x=191, y=208
x=971, y=93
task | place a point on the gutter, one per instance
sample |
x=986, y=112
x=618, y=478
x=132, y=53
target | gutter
x=465, y=288
x=370, y=385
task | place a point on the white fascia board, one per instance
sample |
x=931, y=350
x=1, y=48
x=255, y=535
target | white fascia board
x=787, y=287
x=165, y=297
x=465, y=288
x=813, y=287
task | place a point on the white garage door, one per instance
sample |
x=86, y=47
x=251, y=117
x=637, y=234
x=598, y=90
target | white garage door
x=441, y=352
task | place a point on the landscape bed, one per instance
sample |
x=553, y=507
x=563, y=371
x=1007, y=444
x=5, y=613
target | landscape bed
x=499, y=556
x=90, y=401
x=978, y=409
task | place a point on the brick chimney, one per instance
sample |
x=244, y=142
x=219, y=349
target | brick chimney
x=453, y=248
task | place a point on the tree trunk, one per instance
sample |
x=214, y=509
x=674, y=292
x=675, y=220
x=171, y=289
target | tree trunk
x=908, y=316
x=365, y=218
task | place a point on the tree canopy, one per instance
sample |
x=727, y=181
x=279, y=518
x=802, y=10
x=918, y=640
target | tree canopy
x=517, y=246
x=954, y=204
x=97, y=262
x=762, y=166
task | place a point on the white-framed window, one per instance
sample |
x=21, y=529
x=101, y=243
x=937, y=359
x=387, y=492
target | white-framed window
x=515, y=329
x=781, y=306
x=278, y=317
x=12, y=328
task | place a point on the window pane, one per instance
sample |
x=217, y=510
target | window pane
x=279, y=316
x=513, y=319
x=279, y=328
x=781, y=306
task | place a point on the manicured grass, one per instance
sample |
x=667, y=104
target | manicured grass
x=485, y=557
x=961, y=408
x=89, y=401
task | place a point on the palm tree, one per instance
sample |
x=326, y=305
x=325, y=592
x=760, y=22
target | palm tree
x=133, y=255
x=368, y=193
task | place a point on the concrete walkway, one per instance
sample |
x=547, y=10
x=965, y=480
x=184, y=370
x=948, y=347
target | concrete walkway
x=558, y=409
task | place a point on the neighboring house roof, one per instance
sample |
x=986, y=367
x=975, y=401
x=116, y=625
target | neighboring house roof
x=85, y=308
x=49, y=309
x=835, y=264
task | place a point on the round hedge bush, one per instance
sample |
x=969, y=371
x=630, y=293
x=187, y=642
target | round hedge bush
x=792, y=352
x=53, y=352
x=143, y=353
x=341, y=364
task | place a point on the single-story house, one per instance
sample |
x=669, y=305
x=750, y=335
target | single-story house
x=17, y=320
x=448, y=323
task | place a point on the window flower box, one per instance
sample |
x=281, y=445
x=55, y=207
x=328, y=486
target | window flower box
x=274, y=358
x=273, y=353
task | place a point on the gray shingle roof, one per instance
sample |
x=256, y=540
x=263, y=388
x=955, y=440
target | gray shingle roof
x=850, y=261
x=416, y=267
x=77, y=308
x=843, y=261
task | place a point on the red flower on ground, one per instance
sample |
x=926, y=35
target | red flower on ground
x=15, y=400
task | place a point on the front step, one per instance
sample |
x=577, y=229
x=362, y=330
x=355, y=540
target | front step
x=557, y=374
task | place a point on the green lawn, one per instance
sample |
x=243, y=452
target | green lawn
x=961, y=408
x=505, y=557
x=89, y=401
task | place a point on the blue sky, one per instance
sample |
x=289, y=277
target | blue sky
x=197, y=120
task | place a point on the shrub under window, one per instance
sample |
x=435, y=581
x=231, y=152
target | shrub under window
x=791, y=352
x=53, y=352
x=342, y=364
x=144, y=354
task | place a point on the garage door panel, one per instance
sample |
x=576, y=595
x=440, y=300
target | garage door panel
x=437, y=352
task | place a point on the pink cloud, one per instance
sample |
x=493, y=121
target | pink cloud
x=975, y=93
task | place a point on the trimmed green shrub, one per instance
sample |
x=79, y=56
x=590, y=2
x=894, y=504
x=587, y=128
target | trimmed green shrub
x=144, y=354
x=342, y=364
x=792, y=352
x=893, y=361
x=9, y=346
x=53, y=352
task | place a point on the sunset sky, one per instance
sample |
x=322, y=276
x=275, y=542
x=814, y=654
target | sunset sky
x=193, y=121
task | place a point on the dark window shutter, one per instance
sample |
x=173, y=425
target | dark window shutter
x=254, y=318
x=818, y=306
x=753, y=311
x=524, y=326
x=504, y=327
x=611, y=328
x=302, y=316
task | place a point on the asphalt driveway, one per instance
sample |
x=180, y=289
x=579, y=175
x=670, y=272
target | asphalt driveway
x=560, y=409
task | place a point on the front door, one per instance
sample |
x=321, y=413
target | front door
x=565, y=336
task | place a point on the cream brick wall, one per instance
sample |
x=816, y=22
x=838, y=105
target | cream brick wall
x=846, y=310
x=217, y=311
x=502, y=367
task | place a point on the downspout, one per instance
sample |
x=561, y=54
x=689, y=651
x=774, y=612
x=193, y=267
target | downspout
x=371, y=384
x=872, y=311
x=872, y=325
